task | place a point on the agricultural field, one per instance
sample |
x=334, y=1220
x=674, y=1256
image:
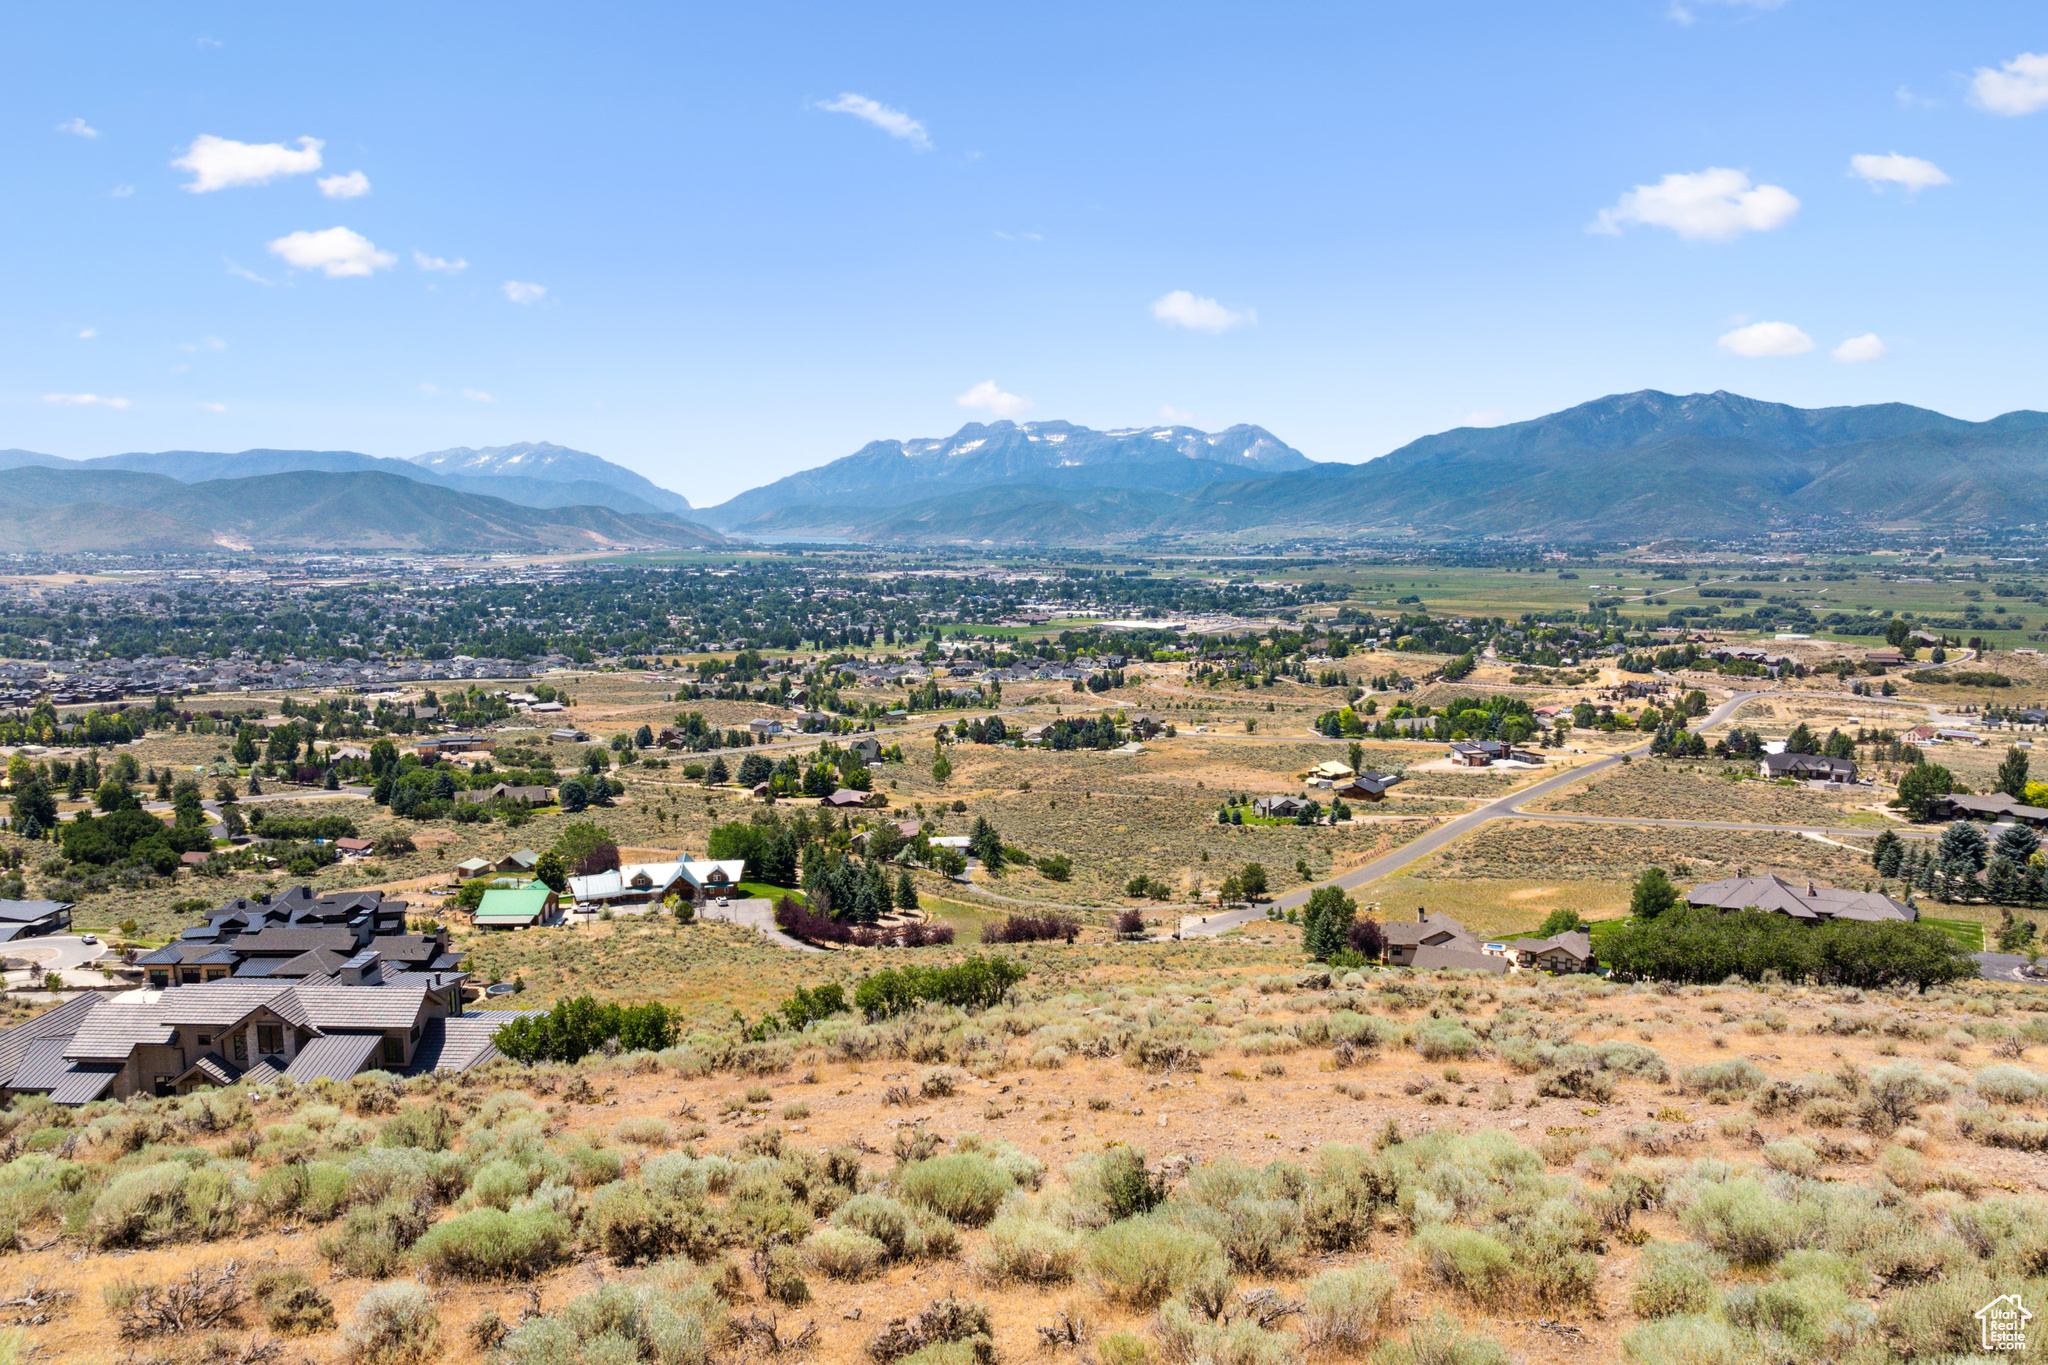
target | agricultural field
x=1531, y=1169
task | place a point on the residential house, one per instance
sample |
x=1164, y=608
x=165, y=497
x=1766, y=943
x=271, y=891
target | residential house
x=1279, y=807
x=569, y=735
x=519, y=862
x=1403, y=939
x=705, y=879
x=846, y=798
x=1330, y=773
x=1884, y=658
x=531, y=906
x=1457, y=959
x=353, y=848
x=32, y=919
x=1808, y=768
x=1810, y=905
x=471, y=868
x=502, y=791
x=431, y=749
x=1366, y=786
x=632, y=884
x=867, y=749
x=1571, y=951
x=765, y=726
x=1994, y=806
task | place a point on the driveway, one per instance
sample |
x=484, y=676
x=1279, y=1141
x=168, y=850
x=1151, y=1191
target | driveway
x=2006, y=967
x=756, y=913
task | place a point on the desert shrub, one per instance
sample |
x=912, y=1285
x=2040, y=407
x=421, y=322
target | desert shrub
x=590, y=1167
x=1479, y=1265
x=1438, y=1039
x=1105, y=1186
x=490, y=1244
x=1439, y=1342
x=1577, y=1083
x=1024, y=1168
x=663, y=1214
x=373, y=1240
x=1673, y=1278
x=1794, y=1308
x=292, y=1304
x=1248, y=1212
x=1184, y=1336
x=2012, y=1085
x=1032, y=1250
x=1746, y=1221
x=1688, y=1339
x=1633, y=1059
x=646, y=1130
x=501, y=1180
x=1123, y=1348
x=961, y=1325
x=966, y=1187
x=844, y=1253
x=1349, y=1184
x=407, y=1173
x=35, y=1188
x=1791, y=1156
x=889, y=1222
x=1732, y=1077
x=394, y=1324
x=140, y=1205
x=1144, y=1259
x=428, y=1127
x=1345, y=1310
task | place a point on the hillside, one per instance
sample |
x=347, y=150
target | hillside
x=1073, y=463
x=1629, y=466
x=119, y=510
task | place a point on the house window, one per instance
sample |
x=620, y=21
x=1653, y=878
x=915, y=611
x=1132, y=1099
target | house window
x=206, y=1040
x=394, y=1051
x=270, y=1037
x=241, y=1047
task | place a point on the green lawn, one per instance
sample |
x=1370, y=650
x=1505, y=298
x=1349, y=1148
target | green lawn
x=1967, y=932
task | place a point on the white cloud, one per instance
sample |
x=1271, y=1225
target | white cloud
x=2020, y=86
x=242, y=272
x=209, y=344
x=520, y=292
x=219, y=163
x=78, y=127
x=1485, y=417
x=123, y=191
x=215, y=407
x=1183, y=309
x=1712, y=205
x=478, y=396
x=894, y=122
x=84, y=400
x=1020, y=236
x=1766, y=339
x=1893, y=169
x=429, y=389
x=354, y=185
x=1169, y=413
x=426, y=262
x=1908, y=100
x=1869, y=346
x=88, y=333
x=336, y=250
x=989, y=398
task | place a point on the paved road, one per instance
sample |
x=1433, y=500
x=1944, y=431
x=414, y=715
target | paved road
x=1502, y=808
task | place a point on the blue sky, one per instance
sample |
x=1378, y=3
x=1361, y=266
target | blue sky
x=718, y=244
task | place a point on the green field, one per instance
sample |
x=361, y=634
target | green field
x=1968, y=933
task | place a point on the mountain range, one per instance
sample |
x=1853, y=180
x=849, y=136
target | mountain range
x=55, y=509
x=1631, y=466
x=532, y=474
x=1627, y=467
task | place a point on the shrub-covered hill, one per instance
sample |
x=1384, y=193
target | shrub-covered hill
x=1134, y=1158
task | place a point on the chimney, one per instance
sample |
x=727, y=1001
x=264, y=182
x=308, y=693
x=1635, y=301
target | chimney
x=1809, y=889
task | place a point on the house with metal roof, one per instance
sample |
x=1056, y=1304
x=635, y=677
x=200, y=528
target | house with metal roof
x=519, y=907
x=632, y=884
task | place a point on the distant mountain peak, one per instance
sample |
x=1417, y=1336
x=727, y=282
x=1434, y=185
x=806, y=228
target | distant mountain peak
x=546, y=462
